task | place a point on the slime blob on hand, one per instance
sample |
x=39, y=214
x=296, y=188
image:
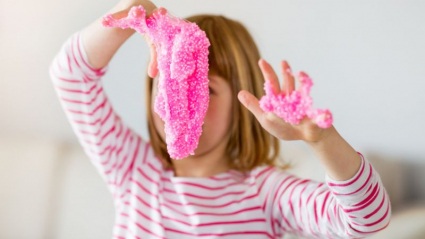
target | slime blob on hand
x=183, y=94
x=293, y=107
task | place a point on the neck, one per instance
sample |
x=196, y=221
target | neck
x=209, y=163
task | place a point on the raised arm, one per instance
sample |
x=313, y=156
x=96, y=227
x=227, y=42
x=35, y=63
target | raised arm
x=76, y=73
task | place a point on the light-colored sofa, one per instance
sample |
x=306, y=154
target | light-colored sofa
x=49, y=189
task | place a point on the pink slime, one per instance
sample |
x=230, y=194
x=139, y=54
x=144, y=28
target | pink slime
x=183, y=93
x=293, y=107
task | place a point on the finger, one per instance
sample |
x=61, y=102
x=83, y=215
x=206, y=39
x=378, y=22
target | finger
x=269, y=75
x=288, y=84
x=302, y=76
x=158, y=11
x=153, y=64
x=252, y=104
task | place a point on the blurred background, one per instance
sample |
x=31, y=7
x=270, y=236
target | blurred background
x=366, y=59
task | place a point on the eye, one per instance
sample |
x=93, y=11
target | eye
x=211, y=91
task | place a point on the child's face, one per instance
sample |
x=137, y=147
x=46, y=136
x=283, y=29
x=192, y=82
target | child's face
x=217, y=121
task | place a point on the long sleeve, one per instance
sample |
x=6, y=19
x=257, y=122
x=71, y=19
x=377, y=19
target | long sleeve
x=355, y=208
x=110, y=144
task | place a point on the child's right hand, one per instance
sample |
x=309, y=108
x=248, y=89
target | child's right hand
x=150, y=9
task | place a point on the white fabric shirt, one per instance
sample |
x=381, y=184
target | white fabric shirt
x=150, y=202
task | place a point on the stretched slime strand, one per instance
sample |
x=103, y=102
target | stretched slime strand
x=182, y=55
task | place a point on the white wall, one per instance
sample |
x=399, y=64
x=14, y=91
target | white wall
x=366, y=59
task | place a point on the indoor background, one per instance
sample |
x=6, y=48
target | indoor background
x=366, y=60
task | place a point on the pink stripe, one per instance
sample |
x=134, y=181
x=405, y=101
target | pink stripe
x=100, y=90
x=277, y=177
x=184, y=204
x=308, y=214
x=69, y=63
x=220, y=234
x=77, y=90
x=300, y=202
x=147, y=177
x=142, y=201
x=89, y=113
x=309, y=221
x=218, y=179
x=146, y=230
x=111, y=130
x=212, y=206
x=112, y=149
x=215, y=223
x=212, y=197
x=123, y=160
x=191, y=214
x=132, y=163
x=263, y=171
x=267, y=177
x=145, y=216
x=324, y=202
x=126, y=136
x=102, y=153
x=327, y=212
x=206, y=187
x=309, y=197
x=277, y=234
x=370, y=175
x=377, y=209
x=377, y=221
x=279, y=195
x=291, y=205
x=315, y=209
x=102, y=122
x=142, y=187
x=354, y=180
x=154, y=169
x=370, y=186
x=96, y=71
x=65, y=79
x=211, y=213
x=147, y=144
x=364, y=206
x=375, y=189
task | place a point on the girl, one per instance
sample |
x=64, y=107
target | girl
x=233, y=187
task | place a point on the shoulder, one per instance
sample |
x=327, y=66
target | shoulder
x=268, y=175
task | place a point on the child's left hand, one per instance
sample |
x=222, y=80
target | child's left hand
x=307, y=130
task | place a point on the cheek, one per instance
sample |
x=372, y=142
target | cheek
x=219, y=114
x=158, y=122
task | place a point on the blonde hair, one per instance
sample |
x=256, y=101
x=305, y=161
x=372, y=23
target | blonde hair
x=233, y=56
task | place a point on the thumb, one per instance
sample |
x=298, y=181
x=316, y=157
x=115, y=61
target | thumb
x=153, y=63
x=252, y=104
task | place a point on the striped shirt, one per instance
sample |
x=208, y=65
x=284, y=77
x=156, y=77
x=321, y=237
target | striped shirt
x=150, y=202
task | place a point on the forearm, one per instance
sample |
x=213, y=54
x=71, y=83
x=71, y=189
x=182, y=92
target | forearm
x=339, y=159
x=101, y=43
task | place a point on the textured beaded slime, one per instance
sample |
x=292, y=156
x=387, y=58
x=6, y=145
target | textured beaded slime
x=293, y=107
x=183, y=93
